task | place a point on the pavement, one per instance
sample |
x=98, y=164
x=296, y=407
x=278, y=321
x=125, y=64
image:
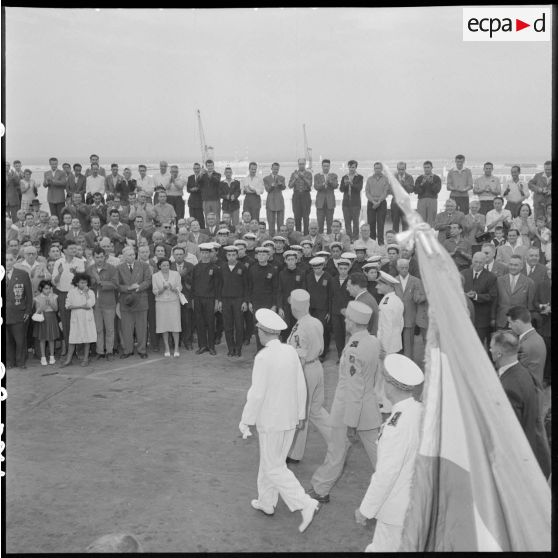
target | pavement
x=152, y=448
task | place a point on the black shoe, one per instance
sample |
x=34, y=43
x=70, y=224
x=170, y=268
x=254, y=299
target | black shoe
x=238, y=353
x=291, y=460
x=315, y=496
x=230, y=353
x=143, y=355
x=202, y=350
x=212, y=352
x=99, y=357
x=125, y=355
x=109, y=357
x=218, y=340
x=189, y=347
x=247, y=342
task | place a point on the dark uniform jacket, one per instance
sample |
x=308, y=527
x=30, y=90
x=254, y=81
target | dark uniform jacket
x=206, y=282
x=351, y=192
x=262, y=286
x=19, y=296
x=235, y=282
x=289, y=280
x=186, y=278
x=340, y=295
x=320, y=291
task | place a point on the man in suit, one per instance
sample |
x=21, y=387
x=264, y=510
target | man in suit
x=532, y=350
x=19, y=303
x=104, y=283
x=514, y=289
x=186, y=270
x=541, y=186
x=410, y=291
x=337, y=236
x=480, y=287
x=301, y=184
x=196, y=183
x=357, y=286
x=521, y=389
x=314, y=237
x=13, y=193
x=134, y=280
x=351, y=186
x=55, y=181
x=196, y=235
x=497, y=268
x=76, y=182
x=77, y=208
x=212, y=226
x=126, y=186
x=543, y=316
x=533, y=269
x=325, y=184
x=274, y=185
x=113, y=179
x=229, y=192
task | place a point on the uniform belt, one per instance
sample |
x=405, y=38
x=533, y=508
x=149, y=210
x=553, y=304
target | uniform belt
x=311, y=361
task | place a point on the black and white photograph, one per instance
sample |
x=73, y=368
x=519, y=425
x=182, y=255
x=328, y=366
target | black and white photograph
x=276, y=279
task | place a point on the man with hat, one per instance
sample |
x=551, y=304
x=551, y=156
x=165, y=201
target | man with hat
x=262, y=285
x=290, y=277
x=307, y=339
x=250, y=239
x=206, y=284
x=355, y=407
x=280, y=245
x=276, y=404
x=339, y=299
x=390, y=323
x=388, y=495
x=233, y=300
x=318, y=284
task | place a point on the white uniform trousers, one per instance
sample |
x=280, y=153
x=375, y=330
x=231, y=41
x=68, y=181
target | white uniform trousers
x=387, y=538
x=274, y=477
x=327, y=474
x=315, y=412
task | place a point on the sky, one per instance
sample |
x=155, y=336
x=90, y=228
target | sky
x=368, y=83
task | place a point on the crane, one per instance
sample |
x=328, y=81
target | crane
x=206, y=150
x=307, y=150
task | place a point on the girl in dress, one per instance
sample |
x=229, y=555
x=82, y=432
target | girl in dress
x=46, y=303
x=80, y=302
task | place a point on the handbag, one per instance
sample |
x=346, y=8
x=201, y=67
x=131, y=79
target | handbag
x=38, y=317
x=182, y=298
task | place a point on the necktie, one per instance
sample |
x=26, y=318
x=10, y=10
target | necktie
x=131, y=268
x=513, y=282
x=336, y=237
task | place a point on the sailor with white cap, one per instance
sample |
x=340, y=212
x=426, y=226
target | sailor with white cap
x=390, y=324
x=276, y=404
x=355, y=408
x=307, y=339
x=289, y=279
x=319, y=285
x=388, y=495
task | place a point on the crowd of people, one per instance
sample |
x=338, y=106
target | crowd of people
x=115, y=263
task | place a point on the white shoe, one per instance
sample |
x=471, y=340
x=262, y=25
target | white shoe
x=51, y=360
x=308, y=514
x=257, y=506
x=167, y=354
x=176, y=354
x=44, y=361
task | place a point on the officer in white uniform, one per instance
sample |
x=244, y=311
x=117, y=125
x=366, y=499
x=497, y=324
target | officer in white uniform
x=388, y=495
x=355, y=408
x=307, y=339
x=276, y=404
x=390, y=326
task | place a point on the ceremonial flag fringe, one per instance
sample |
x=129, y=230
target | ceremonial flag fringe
x=477, y=485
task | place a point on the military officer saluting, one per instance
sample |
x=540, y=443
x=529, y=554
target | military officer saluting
x=390, y=325
x=388, y=495
x=276, y=404
x=355, y=408
x=307, y=339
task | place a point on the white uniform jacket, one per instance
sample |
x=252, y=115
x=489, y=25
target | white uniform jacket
x=276, y=400
x=390, y=323
x=355, y=403
x=387, y=497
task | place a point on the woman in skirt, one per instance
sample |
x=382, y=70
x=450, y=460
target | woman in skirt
x=166, y=288
x=46, y=303
x=80, y=302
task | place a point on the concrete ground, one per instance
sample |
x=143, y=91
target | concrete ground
x=152, y=447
